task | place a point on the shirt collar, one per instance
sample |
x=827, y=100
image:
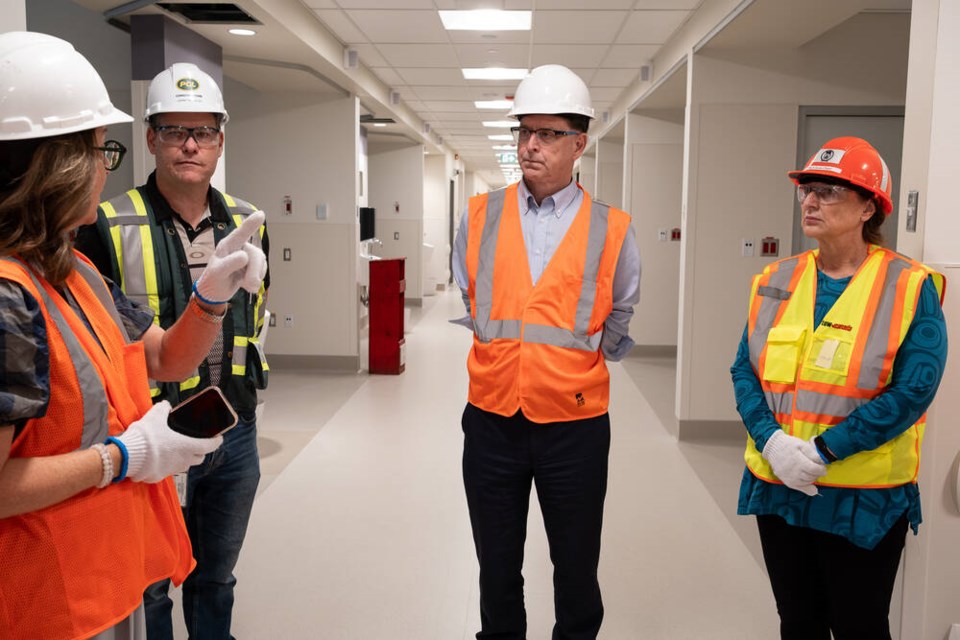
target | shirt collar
x=561, y=199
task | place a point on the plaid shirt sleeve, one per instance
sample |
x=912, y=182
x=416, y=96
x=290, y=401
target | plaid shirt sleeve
x=136, y=317
x=24, y=357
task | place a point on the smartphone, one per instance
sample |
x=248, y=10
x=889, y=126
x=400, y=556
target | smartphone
x=203, y=415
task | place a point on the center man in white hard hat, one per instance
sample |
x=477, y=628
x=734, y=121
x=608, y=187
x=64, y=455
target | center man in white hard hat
x=550, y=278
x=154, y=241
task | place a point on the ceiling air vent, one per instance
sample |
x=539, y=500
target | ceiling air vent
x=369, y=119
x=210, y=12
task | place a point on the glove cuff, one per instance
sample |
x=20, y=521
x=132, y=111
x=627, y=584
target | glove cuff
x=124, y=457
x=135, y=447
x=200, y=296
x=774, y=443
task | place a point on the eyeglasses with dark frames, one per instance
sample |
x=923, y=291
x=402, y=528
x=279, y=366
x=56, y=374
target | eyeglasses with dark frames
x=112, y=154
x=521, y=135
x=175, y=135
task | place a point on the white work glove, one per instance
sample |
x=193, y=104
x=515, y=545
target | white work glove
x=155, y=451
x=235, y=263
x=791, y=461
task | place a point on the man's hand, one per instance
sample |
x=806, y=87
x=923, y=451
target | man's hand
x=235, y=263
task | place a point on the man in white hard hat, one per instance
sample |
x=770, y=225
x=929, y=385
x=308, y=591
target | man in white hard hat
x=549, y=277
x=184, y=220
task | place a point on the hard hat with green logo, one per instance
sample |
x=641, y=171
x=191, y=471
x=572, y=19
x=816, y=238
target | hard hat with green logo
x=184, y=88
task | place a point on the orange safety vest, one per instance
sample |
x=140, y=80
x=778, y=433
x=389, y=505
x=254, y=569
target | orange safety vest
x=80, y=566
x=537, y=348
x=814, y=377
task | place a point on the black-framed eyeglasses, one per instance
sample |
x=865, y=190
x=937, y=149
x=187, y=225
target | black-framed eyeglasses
x=826, y=193
x=175, y=135
x=521, y=135
x=112, y=154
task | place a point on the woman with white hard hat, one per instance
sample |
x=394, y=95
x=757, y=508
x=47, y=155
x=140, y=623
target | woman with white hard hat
x=843, y=351
x=88, y=513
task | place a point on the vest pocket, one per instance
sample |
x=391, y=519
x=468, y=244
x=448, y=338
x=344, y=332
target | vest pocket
x=784, y=344
x=830, y=354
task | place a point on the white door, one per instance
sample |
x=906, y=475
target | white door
x=884, y=131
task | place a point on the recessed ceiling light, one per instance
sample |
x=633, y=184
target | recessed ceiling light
x=379, y=124
x=494, y=73
x=486, y=20
x=500, y=124
x=242, y=32
x=505, y=147
x=493, y=104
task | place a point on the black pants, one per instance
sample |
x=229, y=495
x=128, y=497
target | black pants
x=568, y=461
x=823, y=582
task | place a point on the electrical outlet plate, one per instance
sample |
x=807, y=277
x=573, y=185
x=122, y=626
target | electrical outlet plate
x=746, y=248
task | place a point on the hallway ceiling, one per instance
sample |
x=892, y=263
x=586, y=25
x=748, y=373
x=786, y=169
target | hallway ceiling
x=409, y=65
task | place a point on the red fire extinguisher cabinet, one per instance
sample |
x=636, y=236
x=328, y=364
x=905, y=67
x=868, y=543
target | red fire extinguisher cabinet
x=387, y=286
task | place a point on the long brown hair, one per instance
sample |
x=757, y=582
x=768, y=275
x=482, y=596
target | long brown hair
x=40, y=207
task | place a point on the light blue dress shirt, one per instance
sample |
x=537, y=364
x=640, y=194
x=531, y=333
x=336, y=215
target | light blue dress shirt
x=544, y=226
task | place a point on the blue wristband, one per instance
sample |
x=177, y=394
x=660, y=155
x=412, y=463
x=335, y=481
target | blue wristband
x=124, y=457
x=205, y=300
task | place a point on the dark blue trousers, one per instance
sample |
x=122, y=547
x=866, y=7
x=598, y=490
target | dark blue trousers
x=568, y=462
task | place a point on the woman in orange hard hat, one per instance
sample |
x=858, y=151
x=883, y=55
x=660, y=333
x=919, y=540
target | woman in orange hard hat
x=842, y=354
x=88, y=513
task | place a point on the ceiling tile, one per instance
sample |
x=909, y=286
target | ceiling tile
x=452, y=105
x=599, y=27
x=569, y=55
x=604, y=94
x=337, y=22
x=378, y=4
x=505, y=55
x=320, y=4
x=651, y=27
x=630, y=56
x=579, y=4
x=389, y=25
x=492, y=38
x=420, y=55
x=416, y=76
x=613, y=77
x=688, y=5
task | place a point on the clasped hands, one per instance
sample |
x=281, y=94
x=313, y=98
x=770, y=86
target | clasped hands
x=796, y=462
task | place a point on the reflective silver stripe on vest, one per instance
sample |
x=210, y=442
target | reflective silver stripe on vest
x=95, y=281
x=136, y=236
x=485, y=328
x=578, y=338
x=779, y=402
x=769, y=306
x=827, y=404
x=92, y=392
x=875, y=348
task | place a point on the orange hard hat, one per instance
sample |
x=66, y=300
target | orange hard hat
x=852, y=160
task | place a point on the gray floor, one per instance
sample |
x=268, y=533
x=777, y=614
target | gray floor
x=361, y=531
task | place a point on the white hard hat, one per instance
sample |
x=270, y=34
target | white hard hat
x=184, y=88
x=48, y=89
x=551, y=89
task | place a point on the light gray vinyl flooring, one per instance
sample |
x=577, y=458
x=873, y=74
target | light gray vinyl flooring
x=361, y=532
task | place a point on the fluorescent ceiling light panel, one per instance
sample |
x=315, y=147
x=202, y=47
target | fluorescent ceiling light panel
x=494, y=73
x=493, y=104
x=500, y=124
x=505, y=147
x=501, y=137
x=242, y=32
x=486, y=20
